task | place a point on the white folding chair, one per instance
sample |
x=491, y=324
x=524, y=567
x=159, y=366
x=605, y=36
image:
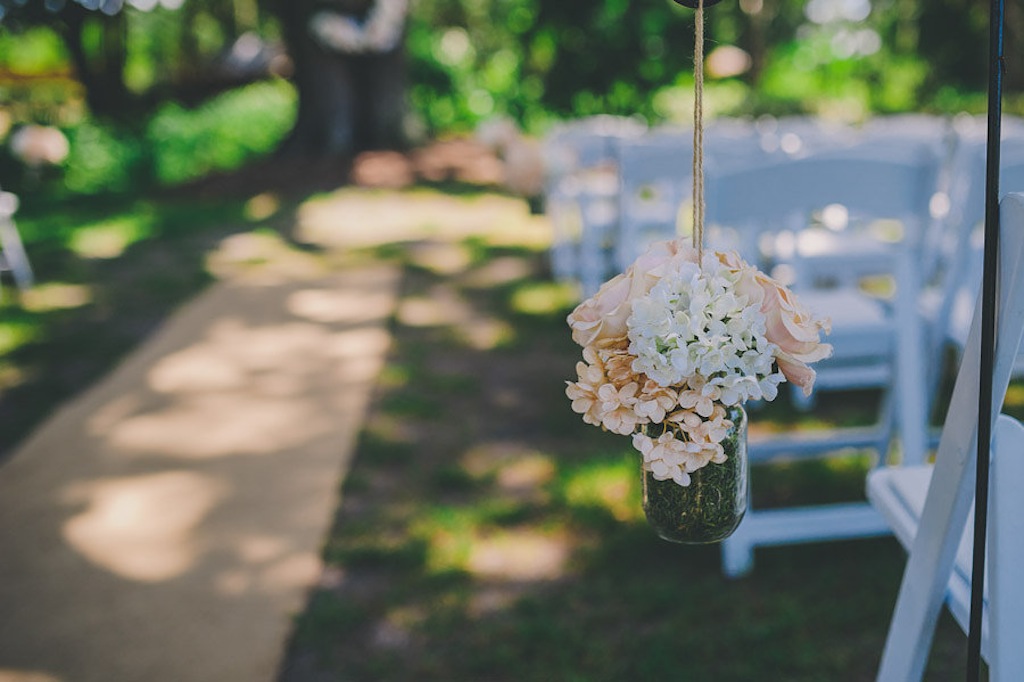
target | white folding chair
x=901, y=492
x=581, y=198
x=877, y=343
x=13, y=258
x=656, y=178
x=929, y=506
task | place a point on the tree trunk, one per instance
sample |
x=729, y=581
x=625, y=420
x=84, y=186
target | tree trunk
x=347, y=102
x=100, y=70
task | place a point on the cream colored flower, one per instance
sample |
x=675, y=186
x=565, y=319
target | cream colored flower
x=583, y=393
x=708, y=453
x=746, y=284
x=700, y=396
x=686, y=419
x=671, y=343
x=617, y=413
x=665, y=457
x=655, y=401
x=790, y=325
x=618, y=365
x=715, y=428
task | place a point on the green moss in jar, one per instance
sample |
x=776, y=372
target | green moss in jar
x=712, y=506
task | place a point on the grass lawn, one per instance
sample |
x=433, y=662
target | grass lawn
x=484, y=532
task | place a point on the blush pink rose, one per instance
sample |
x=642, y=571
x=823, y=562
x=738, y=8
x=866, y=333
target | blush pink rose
x=748, y=283
x=600, y=320
x=796, y=372
x=789, y=325
x=792, y=327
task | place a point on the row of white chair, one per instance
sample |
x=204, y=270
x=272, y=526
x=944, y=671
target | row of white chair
x=829, y=210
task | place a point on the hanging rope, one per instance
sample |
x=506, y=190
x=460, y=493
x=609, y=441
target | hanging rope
x=698, y=131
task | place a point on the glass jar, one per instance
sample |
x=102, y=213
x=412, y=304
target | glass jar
x=712, y=506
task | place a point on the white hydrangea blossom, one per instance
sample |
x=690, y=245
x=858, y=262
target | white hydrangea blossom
x=693, y=331
x=675, y=343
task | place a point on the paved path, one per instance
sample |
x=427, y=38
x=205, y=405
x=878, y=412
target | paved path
x=166, y=525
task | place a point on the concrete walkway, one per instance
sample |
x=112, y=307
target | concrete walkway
x=166, y=525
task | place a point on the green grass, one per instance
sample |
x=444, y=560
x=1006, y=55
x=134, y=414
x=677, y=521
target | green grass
x=484, y=531
x=506, y=541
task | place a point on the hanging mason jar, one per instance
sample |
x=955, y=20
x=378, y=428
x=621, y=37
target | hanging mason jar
x=712, y=506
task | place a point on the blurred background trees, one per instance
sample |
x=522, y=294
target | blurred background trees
x=161, y=91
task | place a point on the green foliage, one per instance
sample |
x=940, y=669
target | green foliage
x=175, y=145
x=221, y=134
x=103, y=159
x=537, y=61
x=35, y=51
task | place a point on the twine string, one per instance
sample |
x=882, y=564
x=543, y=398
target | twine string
x=698, y=132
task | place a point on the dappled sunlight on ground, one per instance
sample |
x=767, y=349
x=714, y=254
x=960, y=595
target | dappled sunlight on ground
x=442, y=306
x=497, y=272
x=357, y=218
x=142, y=528
x=261, y=257
x=196, y=481
x=262, y=206
x=441, y=258
x=47, y=296
x=387, y=170
x=513, y=464
x=518, y=555
x=242, y=390
x=193, y=486
x=26, y=676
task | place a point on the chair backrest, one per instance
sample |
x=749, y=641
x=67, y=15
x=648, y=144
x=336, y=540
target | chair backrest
x=656, y=178
x=585, y=143
x=798, y=136
x=581, y=190
x=745, y=205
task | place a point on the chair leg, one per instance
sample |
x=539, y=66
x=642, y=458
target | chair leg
x=14, y=254
x=737, y=554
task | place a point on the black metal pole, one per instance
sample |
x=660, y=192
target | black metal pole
x=988, y=335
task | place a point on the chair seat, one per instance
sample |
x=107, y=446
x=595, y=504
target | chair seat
x=899, y=494
x=861, y=326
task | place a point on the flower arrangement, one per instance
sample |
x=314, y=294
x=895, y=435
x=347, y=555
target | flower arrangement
x=678, y=343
